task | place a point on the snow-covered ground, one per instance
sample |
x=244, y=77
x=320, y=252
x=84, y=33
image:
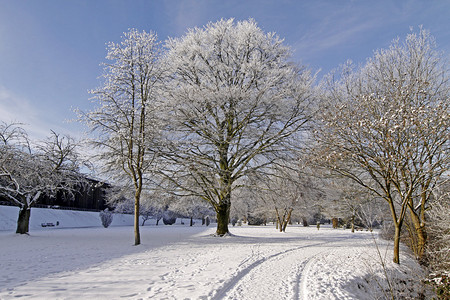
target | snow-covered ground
x=64, y=218
x=182, y=262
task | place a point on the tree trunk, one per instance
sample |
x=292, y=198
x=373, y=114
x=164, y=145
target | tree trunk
x=223, y=216
x=137, y=236
x=192, y=222
x=283, y=228
x=353, y=224
x=397, y=244
x=398, y=222
x=279, y=221
x=288, y=219
x=335, y=223
x=305, y=222
x=421, y=236
x=23, y=222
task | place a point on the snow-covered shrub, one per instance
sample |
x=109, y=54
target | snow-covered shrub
x=438, y=247
x=255, y=220
x=107, y=217
x=169, y=221
x=388, y=280
x=169, y=218
x=441, y=284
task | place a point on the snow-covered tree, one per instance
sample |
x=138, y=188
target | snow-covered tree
x=285, y=195
x=125, y=121
x=242, y=203
x=290, y=192
x=12, y=135
x=121, y=198
x=358, y=205
x=191, y=207
x=349, y=202
x=235, y=101
x=248, y=205
x=386, y=126
x=370, y=211
x=155, y=200
x=26, y=173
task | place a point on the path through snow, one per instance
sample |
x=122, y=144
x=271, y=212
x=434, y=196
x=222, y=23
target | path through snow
x=182, y=262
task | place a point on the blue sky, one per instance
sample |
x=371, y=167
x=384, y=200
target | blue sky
x=50, y=50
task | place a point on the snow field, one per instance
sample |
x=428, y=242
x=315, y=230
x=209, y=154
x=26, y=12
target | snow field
x=182, y=262
x=66, y=218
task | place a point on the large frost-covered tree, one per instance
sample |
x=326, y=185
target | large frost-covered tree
x=235, y=102
x=386, y=126
x=125, y=118
x=26, y=173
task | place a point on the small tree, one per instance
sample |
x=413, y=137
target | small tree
x=106, y=217
x=370, y=212
x=287, y=190
x=284, y=193
x=191, y=207
x=359, y=205
x=248, y=206
x=126, y=119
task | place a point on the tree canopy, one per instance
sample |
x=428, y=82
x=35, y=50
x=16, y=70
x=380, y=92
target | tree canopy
x=386, y=126
x=234, y=102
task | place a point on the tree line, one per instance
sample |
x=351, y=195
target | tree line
x=223, y=115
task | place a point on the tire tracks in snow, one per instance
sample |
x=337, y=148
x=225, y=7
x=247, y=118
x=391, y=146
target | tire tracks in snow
x=301, y=290
x=291, y=281
x=237, y=279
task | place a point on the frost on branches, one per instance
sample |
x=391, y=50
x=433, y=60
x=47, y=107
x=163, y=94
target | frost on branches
x=285, y=194
x=386, y=126
x=234, y=102
x=125, y=121
x=26, y=173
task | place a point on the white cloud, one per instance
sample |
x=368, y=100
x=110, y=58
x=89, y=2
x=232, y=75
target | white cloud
x=15, y=108
x=185, y=14
x=355, y=27
x=336, y=30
